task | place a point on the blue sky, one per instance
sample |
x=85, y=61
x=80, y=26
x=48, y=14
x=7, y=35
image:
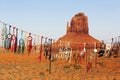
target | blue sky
x=49, y=17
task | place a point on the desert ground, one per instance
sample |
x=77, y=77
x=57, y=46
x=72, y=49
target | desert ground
x=24, y=67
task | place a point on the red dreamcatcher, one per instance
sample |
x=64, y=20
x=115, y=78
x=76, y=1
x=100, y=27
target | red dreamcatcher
x=13, y=40
x=29, y=42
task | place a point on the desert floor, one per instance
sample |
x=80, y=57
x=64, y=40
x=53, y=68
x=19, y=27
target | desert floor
x=24, y=67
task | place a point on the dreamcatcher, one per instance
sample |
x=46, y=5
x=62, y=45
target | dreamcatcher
x=29, y=42
x=5, y=36
x=21, y=46
x=9, y=39
x=13, y=40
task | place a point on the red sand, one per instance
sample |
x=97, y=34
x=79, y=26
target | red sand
x=24, y=67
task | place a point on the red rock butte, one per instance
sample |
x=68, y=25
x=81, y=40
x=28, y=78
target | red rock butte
x=77, y=32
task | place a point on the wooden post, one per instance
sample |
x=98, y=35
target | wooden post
x=86, y=56
x=50, y=57
x=88, y=60
x=95, y=59
x=89, y=63
x=15, y=49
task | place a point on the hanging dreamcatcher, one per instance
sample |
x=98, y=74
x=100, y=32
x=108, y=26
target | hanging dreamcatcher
x=5, y=36
x=46, y=48
x=21, y=46
x=15, y=49
x=13, y=40
x=2, y=35
x=50, y=50
x=9, y=39
x=29, y=42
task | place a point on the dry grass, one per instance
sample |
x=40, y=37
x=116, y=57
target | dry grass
x=24, y=67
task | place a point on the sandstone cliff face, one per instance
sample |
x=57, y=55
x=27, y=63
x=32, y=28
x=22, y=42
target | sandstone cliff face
x=77, y=33
x=79, y=24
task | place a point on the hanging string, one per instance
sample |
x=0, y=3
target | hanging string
x=34, y=43
x=70, y=42
x=38, y=43
x=25, y=39
x=40, y=56
x=61, y=41
x=8, y=42
x=38, y=40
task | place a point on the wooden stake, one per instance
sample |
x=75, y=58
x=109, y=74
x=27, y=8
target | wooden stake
x=96, y=57
x=86, y=57
x=50, y=42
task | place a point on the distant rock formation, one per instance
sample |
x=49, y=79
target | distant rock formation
x=77, y=33
x=79, y=24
